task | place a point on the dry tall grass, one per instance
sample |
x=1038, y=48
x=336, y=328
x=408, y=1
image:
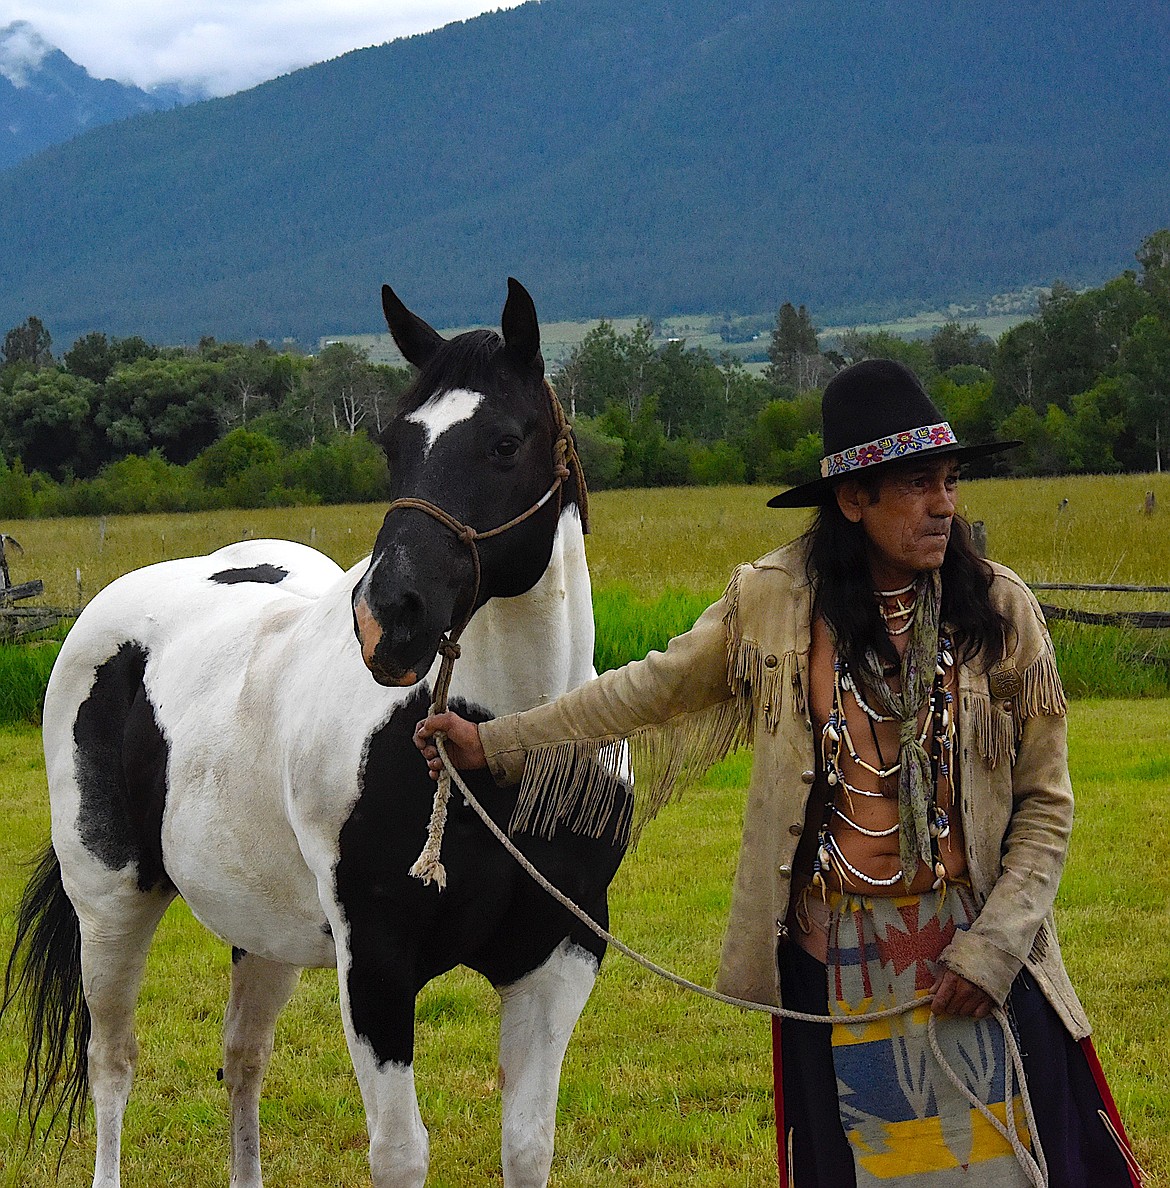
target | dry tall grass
x=683, y=538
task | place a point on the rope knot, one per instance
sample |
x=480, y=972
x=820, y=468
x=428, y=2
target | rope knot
x=449, y=649
x=466, y=534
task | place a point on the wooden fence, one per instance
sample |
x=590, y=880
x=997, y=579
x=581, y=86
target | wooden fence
x=17, y=621
x=1145, y=619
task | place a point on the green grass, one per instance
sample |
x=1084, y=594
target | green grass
x=687, y=539
x=629, y=626
x=659, y=1088
x=24, y=672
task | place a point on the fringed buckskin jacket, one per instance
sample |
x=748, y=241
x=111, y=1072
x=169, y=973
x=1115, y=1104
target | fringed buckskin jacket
x=740, y=675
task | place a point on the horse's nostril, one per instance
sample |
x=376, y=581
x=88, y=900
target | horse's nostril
x=401, y=617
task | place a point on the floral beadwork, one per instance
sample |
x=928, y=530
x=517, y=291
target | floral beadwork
x=886, y=449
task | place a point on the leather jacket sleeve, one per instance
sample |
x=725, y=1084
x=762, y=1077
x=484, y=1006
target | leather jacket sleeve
x=690, y=676
x=1019, y=896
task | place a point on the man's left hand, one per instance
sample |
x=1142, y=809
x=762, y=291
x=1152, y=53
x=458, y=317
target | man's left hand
x=954, y=995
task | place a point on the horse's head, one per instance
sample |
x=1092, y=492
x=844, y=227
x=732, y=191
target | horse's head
x=472, y=447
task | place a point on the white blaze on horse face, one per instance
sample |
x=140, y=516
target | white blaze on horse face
x=443, y=410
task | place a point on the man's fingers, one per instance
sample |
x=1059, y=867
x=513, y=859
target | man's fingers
x=942, y=997
x=954, y=995
x=429, y=727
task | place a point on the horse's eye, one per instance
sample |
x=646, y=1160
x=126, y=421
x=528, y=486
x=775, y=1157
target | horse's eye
x=506, y=447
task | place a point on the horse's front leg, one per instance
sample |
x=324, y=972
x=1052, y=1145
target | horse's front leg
x=377, y=1005
x=259, y=991
x=537, y=1018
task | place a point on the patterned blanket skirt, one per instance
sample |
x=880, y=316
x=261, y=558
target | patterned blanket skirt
x=907, y=1123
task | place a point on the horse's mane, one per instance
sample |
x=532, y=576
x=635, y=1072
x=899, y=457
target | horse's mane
x=462, y=362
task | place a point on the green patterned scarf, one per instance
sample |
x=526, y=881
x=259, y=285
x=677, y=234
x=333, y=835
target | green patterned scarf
x=915, y=780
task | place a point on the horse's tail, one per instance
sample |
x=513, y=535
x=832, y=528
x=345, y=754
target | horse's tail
x=44, y=974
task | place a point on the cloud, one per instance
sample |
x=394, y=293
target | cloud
x=21, y=52
x=222, y=46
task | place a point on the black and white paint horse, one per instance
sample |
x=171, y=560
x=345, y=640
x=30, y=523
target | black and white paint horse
x=212, y=731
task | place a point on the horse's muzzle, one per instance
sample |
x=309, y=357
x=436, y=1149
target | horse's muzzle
x=369, y=633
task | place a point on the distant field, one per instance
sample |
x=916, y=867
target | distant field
x=558, y=339
x=681, y=538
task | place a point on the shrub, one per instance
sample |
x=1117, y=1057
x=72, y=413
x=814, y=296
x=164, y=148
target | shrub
x=24, y=673
x=717, y=464
x=16, y=492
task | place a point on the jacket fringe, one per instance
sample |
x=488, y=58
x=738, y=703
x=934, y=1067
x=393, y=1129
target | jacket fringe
x=757, y=680
x=613, y=787
x=999, y=726
x=995, y=732
x=1042, y=692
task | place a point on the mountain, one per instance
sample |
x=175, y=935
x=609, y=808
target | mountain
x=46, y=98
x=618, y=156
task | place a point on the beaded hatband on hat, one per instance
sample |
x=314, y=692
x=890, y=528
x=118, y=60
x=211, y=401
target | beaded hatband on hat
x=887, y=449
x=874, y=413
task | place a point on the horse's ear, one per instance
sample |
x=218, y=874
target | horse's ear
x=416, y=340
x=521, y=330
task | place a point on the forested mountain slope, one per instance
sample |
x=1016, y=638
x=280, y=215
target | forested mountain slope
x=617, y=155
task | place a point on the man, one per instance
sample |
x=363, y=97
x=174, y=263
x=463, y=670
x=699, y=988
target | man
x=907, y=819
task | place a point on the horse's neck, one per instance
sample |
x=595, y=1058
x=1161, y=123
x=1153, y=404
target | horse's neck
x=520, y=652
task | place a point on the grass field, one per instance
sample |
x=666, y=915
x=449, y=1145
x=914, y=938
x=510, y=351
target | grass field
x=659, y=1088
x=688, y=539
x=658, y=557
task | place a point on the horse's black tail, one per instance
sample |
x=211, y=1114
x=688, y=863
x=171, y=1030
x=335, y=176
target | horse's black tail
x=44, y=974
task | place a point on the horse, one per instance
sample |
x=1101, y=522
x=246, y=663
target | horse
x=235, y=729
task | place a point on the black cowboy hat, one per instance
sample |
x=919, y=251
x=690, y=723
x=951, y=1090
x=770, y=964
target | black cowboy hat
x=873, y=413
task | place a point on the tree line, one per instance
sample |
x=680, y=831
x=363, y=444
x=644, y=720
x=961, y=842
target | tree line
x=1085, y=385
x=118, y=424
x=122, y=425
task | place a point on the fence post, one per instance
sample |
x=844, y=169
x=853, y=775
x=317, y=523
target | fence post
x=5, y=540
x=979, y=537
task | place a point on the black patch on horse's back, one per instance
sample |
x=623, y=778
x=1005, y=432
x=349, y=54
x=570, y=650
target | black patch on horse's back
x=491, y=917
x=271, y=575
x=121, y=769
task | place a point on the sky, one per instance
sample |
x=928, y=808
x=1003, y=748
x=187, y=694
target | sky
x=222, y=46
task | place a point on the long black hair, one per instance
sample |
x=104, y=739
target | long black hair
x=838, y=569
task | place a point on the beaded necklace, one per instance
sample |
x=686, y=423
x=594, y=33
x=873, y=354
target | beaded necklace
x=836, y=740
x=900, y=609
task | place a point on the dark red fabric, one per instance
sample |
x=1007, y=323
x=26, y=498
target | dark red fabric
x=1110, y=1107
x=778, y=1098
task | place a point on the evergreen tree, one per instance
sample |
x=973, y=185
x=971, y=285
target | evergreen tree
x=29, y=343
x=794, y=342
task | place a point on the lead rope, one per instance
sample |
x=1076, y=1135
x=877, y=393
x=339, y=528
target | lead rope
x=1034, y=1167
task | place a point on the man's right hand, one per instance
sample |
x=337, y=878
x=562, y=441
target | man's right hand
x=462, y=742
